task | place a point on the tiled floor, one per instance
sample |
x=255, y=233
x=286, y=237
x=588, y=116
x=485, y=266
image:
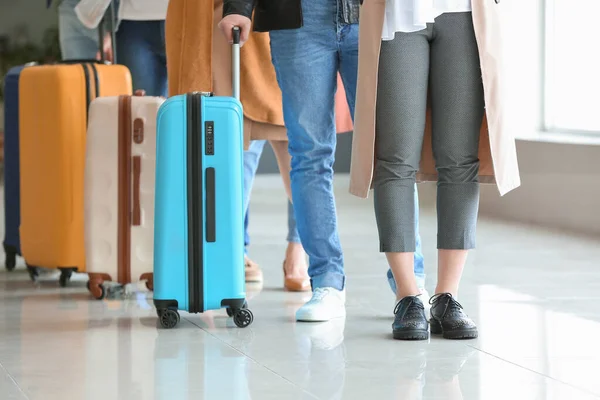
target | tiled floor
x=534, y=294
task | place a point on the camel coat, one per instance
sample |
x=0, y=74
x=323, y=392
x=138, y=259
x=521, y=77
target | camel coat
x=497, y=150
x=199, y=59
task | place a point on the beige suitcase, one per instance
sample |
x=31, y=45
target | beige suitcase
x=119, y=191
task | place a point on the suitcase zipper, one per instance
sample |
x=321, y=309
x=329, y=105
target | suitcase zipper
x=96, y=79
x=88, y=95
x=195, y=204
x=124, y=188
x=88, y=89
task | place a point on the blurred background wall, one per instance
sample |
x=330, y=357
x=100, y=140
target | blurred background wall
x=31, y=14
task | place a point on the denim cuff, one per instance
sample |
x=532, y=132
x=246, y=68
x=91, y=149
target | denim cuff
x=328, y=279
x=293, y=237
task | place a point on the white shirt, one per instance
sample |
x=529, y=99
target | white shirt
x=413, y=15
x=144, y=10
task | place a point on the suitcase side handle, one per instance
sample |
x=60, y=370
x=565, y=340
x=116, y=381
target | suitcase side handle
x=235, y=63
x=136, y=217
x=211, y=206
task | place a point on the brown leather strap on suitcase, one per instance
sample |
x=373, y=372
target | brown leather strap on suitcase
x=138, y=138
x=124, y=202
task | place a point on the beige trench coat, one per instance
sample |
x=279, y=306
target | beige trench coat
x=497, y=150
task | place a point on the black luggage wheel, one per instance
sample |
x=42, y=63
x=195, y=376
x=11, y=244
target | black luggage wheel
x=11, y=261
x=231, y=312
x=168, y=318
x=243, y=318
x=34, y=272
x=65, y=276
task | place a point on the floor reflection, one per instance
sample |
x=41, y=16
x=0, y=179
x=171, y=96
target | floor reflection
x=534, y=294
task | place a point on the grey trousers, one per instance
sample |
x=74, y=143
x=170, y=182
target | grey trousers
x=442, y=61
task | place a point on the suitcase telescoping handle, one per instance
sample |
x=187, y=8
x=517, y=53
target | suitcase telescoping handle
x=109, y=16
x=235, y=63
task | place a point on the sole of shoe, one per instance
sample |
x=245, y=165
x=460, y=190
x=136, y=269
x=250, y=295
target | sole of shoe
x=411, y=335
x=461, y=335
x=316, y=320
x=436, y=329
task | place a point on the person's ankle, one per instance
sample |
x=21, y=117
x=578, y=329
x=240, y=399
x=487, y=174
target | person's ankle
x=444, y=289
x=399, y=298
x=400, y=294
x=294, y=248
x=295, y=260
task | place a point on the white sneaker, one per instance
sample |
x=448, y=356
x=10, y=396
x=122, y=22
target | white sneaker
x=325, y=304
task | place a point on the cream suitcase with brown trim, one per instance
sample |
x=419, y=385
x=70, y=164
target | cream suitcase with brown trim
x=119, y=191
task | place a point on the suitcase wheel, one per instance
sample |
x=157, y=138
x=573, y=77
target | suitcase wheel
x=243, y=318
x=34, y=272
x=231, y=311
x=149, y=278
x=11, y=261
x=97, y=290
x=65, y=276
x=168, y=318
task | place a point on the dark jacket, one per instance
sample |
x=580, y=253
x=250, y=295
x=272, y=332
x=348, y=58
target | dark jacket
x=274, y=15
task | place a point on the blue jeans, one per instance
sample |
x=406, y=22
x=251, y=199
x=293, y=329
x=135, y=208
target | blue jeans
x=251, y=161
x=141, y=48
x=307, y=61
x=419, y=259
x=76, y=41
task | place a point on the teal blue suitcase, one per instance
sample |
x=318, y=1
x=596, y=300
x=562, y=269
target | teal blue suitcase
x=198, y=231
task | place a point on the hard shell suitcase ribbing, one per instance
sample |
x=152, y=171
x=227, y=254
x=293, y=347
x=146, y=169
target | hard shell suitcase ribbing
x=198, y=242
x=54, y=101
x=119, y=190
x=12, y=209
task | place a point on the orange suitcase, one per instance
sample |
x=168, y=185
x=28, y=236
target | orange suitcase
x=54, y=102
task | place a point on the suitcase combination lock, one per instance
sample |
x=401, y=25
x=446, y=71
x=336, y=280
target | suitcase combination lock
x=209, y=138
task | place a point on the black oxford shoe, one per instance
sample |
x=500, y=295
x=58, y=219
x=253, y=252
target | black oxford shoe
x=449, y=319
x=410, y=322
